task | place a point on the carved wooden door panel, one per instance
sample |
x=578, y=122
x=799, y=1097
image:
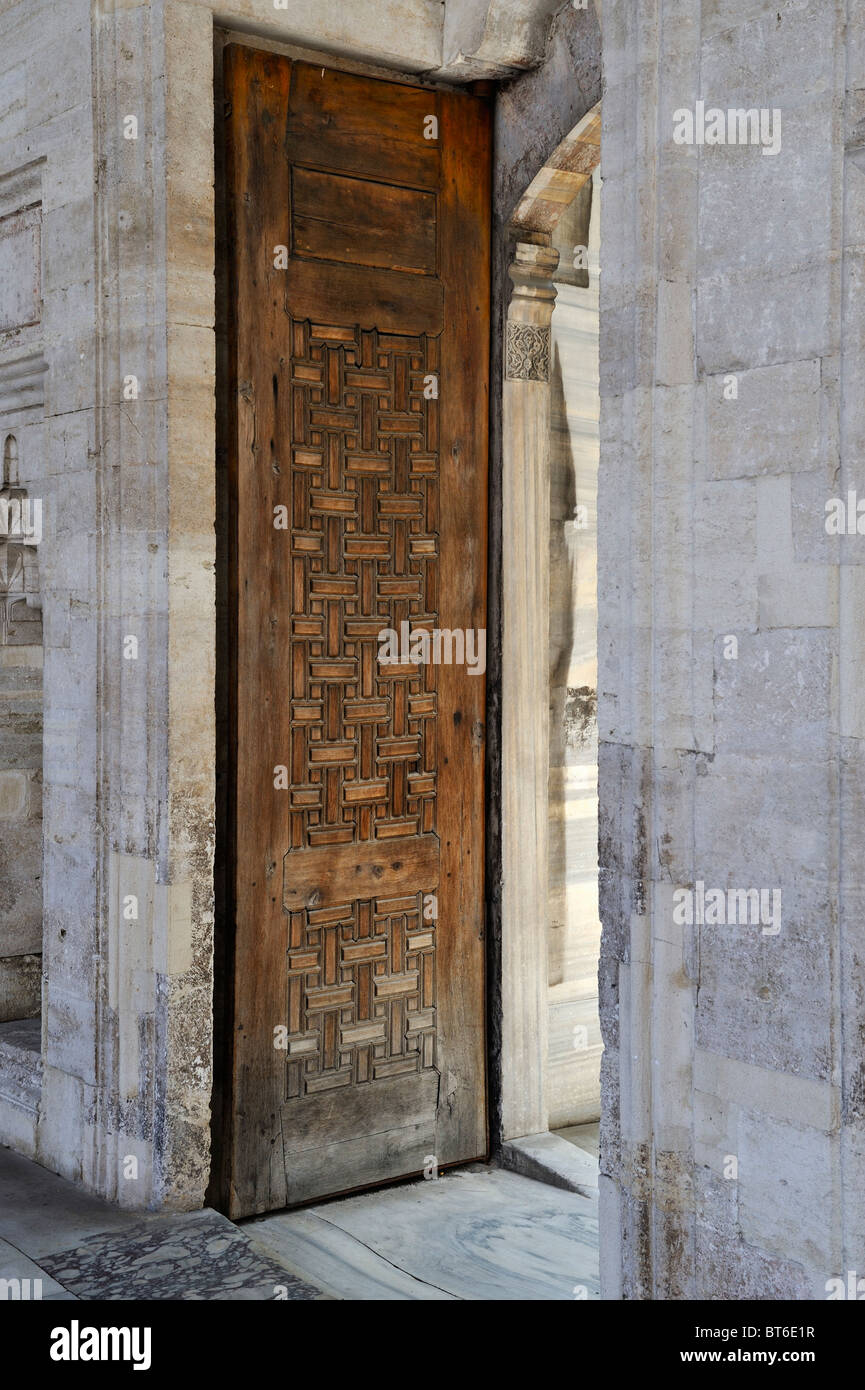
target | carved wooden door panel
x=358, y=242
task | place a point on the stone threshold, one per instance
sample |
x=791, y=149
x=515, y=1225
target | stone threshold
x=549, y=1158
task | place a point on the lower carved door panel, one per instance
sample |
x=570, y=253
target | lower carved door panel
x=358, y=328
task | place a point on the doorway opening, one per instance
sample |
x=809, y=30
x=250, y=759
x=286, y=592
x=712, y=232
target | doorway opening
x=551, y=1044
x=574, y=926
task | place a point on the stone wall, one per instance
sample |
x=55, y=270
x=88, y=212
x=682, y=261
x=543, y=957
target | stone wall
x=47, y=426
x=731, y=652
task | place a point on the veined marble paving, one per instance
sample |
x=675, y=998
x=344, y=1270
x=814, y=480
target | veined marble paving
x=198, y=1256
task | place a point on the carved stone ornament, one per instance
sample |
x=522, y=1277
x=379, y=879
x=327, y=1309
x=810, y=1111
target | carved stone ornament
x=528, y=352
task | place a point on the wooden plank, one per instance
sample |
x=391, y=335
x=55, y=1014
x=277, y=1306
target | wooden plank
x=336, y=874
x=364, y=1161
x=395, y=1104
x=360, y=1134
x=258, y=175
x=464, y=226
x=363, y=126
x=393, y=301
x=361, y=222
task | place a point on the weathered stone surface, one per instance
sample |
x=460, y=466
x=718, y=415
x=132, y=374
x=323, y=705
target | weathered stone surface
x=772, y=425
x=21, y=987
x=776, y=694
x=568, y=84
x=728, y=1268
x=767, y=1002
x=755, y=828
x=723, y=533
x=786, y=1191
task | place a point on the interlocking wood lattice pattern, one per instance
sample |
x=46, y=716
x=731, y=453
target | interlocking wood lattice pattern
x=363, y=519
x=364, y=505
x=361, y=993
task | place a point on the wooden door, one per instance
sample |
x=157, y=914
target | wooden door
x=359, y=249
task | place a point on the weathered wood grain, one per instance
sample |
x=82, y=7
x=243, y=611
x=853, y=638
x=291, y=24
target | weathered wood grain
x=358, y=503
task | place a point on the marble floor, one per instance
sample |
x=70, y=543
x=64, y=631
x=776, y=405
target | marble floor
x=476, y=1233
x=83, y=1248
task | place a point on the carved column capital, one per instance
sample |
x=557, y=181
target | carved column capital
x=527, y=346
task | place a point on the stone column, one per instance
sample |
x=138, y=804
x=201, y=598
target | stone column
x=525, y=694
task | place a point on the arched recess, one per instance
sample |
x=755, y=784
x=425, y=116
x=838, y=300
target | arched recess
x=529, y=363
